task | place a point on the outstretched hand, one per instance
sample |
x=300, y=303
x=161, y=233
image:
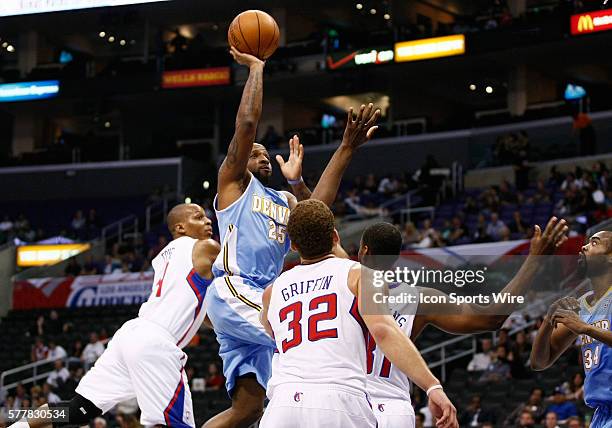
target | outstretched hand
x=244, y=58
x=443, y=410
x=554, y=235
x=361, y=129
x=292, y=168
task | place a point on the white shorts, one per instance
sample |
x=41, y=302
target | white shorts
x=317, y=406
x=142, y=361
x=393, y=413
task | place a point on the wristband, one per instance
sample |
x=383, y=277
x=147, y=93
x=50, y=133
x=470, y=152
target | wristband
x=433, y=388
x=295, y=182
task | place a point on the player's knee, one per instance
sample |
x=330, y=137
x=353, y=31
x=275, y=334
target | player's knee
x=79, y=410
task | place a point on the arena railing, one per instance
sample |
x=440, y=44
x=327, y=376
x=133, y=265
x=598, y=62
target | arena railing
x=35, y=371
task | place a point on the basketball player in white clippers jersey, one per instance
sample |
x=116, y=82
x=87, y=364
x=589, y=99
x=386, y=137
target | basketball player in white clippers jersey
x=316, y=316
x=144, y=359
x=252, y=221
x=388, y=387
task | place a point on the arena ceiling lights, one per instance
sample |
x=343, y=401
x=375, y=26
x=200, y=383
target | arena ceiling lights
x=21, y=7
x=436, y=47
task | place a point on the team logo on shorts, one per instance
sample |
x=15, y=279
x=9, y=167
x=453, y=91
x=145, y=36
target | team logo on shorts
x=381, y=407
x=297, y=397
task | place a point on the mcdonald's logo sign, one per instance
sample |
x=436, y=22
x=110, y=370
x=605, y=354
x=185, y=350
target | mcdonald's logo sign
x=591, y=22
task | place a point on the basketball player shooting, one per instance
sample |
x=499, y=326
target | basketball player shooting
x=144, y=359
x=379, y=249
x=253, y=226
x=315, y=313
x=588, y=318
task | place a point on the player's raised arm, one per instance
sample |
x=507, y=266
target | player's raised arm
x=356, y=133
x=400, y=350
x=233, y=175
x=473, y=318
x=553, y=339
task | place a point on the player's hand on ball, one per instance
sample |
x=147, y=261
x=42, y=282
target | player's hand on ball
x=554, y=235
x=360, y=129
x=245, y=59
x=442, y=409
x=571, y=320
x=292, y=168
x=565, y=303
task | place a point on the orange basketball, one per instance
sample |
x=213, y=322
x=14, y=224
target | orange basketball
x=254, y=32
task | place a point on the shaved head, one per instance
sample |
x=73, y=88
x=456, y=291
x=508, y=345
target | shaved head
x=189, y=220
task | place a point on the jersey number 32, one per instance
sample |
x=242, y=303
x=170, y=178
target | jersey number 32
x=295, y=313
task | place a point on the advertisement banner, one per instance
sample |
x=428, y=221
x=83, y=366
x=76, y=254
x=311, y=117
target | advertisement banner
x=198, y=77
x=377, y=55
x=23, y=7
x=436, y=47
x=591, y=22
x=44, y=255
x=83, y=291
x=27, y=91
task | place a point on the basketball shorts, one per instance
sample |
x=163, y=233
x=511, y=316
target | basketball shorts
x=142, y=361
x=316, y=406
x=393, y=413
x=602, y=417
x=233, y=307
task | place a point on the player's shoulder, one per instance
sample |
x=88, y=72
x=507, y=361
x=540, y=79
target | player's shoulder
x=208, y=246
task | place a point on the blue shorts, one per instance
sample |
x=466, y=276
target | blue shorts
x=233, y=307
x=602, y=417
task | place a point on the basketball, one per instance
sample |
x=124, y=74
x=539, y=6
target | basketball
x=254, y=32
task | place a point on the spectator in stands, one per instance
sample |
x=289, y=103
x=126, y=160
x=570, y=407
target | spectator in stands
x=474, y=414
x=20, y=396
x=470, y=206
x=518, y=356
x=495, y=227
x=90, y=267
x=99, y=422
x=73, y=268
x=503, y=338
x=533, y=406
x=550, y=421
x=489, y=200
x=39, y=350
x=49, y=396
x=506, y=194
x=214, y=379
x=92, y=351
x=570, y=182
x=78, y=222
x=573, y=389
x=518, y=226
x=499, y=369
x=111, y=265
x=56, y=352
x=59, y=374
x=457, y=231
x=55, y=325
x=9, y=404
x=479, y=235
x=76, y=353
x=481, y=360
x=410, y=234
x=429, y=236
x=38, y=329
x=561, y=407
x=574, y=422
x=26, y=404
x=583, y=126
x=526, y=420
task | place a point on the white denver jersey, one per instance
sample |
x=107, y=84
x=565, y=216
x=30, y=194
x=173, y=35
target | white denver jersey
x=178, y=292
x=386, y=381
x=319, y=333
